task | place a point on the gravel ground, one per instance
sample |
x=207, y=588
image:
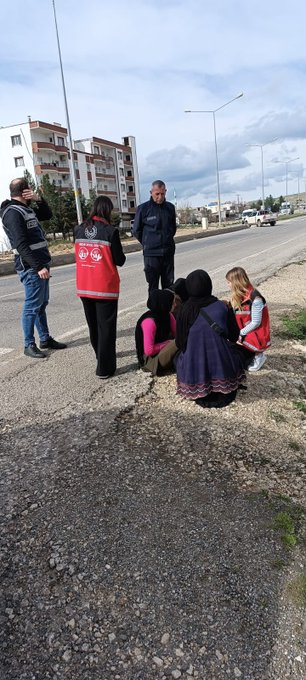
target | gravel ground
x=144, y=545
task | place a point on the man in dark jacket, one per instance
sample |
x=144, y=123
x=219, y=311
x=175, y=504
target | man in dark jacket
x=32, y=262
x=154, y=227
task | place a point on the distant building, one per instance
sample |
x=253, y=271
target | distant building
x=113, y=170
x=41, y=148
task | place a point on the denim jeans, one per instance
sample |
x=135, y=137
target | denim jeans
x=34, y=309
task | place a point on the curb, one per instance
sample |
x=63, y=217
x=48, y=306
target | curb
x=7, y=268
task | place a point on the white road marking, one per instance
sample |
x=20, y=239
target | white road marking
x=249, y=257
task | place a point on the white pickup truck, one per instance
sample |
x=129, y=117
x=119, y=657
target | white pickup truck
x=259, y=217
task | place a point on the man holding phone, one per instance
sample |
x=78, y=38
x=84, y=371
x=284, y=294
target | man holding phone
x=32, y=262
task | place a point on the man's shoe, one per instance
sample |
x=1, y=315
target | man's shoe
x=34, y=352
x=52, y=344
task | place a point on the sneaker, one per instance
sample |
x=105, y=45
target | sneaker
x=52, y=344
x=103, y=377
x=34, y=352
x=257, y=362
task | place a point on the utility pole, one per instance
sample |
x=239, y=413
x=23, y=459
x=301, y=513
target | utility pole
x=73, y=173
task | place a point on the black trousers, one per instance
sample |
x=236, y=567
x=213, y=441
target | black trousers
x=160, y=267
x=101, y=317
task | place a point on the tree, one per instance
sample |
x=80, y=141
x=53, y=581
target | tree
x=54, y=199
x=116, y=219
x=185, y=214
x=269, y=202
x=30, y=180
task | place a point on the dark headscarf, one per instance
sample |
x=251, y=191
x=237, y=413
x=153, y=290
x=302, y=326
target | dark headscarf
x=199, y=289
x=179, y=288
x=159, y=303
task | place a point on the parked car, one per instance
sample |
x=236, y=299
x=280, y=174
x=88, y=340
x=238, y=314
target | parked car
x=259, y=217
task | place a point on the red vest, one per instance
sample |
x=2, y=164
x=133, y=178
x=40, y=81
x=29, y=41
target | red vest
x=258, y=340
x=96, y=273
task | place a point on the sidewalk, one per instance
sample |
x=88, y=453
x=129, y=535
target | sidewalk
x=141, y=542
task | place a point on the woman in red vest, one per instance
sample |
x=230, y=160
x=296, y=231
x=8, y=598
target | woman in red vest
x=252, y=317
x=98, y=252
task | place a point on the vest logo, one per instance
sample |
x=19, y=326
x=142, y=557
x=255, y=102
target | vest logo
x=151, y=218
x=83, y=253
x=96, y=254
x=91, y=233
x=32, y=223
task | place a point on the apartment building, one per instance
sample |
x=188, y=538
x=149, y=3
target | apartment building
x=41, y=148
x=113, y=169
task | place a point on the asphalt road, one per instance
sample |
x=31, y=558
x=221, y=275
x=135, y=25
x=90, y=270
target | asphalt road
x=261, y=251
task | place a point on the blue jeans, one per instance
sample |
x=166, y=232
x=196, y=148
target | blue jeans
x=34, y=309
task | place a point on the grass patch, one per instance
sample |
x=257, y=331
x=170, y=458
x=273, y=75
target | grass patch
x=294, y=446
x=296, y=590
x=278, y=417
x=295, y=326
x=300, y=406
x=284, y=523
x=289, y=521
x=278, y=563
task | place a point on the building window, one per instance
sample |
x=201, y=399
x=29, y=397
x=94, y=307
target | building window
x=105, y=187
x=121, y=171
x=88, y=167
x=122, y=187
x=128, y=157
x=132, y=204
x=97, y=150
x=16, y=140
x=124, y=204
x=120, y=155
x=76, y=164
x=78, y=183
x=61, y=141
x=19, y=161
x=131, y=188
x=129, y=173
x=51, y=140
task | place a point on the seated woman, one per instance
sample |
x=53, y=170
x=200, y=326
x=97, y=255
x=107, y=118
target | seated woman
x=180, y=295
x=155, y=333
x=209, y=369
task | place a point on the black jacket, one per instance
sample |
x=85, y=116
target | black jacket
x=26, y=236
x=155, y=226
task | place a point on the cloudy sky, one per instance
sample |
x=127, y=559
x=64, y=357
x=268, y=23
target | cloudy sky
x=134, y=66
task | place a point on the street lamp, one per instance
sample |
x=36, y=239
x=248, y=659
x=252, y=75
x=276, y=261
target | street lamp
x=290, y=160
x=214, y=111
x=262, y=167
x=74, y=181
x=299, y=174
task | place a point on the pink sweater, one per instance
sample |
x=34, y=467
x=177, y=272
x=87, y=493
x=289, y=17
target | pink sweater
x=150, y=348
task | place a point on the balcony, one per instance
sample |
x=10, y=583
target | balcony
x=104, y=175
x=131, y=193
x=39, y=146
x=43, y=168
x=106, y=193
